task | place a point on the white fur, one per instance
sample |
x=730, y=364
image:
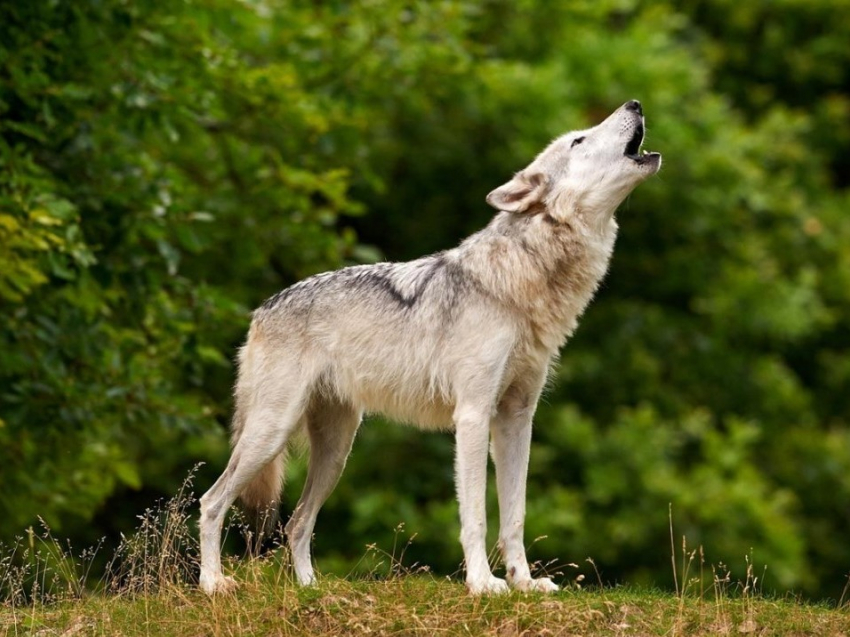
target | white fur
x=462, y=340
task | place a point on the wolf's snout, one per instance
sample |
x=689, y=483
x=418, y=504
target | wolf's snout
x=634, y=105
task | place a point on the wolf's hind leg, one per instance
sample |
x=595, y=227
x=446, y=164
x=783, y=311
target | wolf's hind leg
x=332, y=426
x=267, y=428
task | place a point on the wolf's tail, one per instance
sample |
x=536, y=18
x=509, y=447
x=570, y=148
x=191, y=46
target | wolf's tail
x=259, y=500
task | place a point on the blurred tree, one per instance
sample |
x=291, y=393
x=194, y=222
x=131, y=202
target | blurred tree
x=129, y=167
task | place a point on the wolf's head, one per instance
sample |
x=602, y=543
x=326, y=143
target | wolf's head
x=588, y=172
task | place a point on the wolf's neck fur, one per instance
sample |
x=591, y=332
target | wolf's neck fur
x=545, y=271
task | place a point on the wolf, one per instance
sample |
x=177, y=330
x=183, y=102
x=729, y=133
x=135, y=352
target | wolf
x=461, y=340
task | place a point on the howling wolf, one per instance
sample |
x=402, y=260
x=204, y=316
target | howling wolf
x=460, y=340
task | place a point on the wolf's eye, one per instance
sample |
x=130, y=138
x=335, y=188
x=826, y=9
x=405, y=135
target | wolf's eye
x=577, y=141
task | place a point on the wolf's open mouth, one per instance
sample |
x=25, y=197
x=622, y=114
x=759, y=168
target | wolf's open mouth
x=633, y=147
x=633, y=150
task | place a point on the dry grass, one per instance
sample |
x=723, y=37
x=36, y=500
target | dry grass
x=268, y=604
x=150, y=589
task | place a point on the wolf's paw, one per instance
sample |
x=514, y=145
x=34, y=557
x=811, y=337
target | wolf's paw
x=306, y=579
x=540, y=585
x=217, y=584
x=491, y=586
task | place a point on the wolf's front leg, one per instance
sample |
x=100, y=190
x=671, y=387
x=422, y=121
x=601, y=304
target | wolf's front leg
x=511, y=430
x=472, y=436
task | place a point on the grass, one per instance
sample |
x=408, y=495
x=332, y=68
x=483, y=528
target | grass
x=414, y=605
x=149, y=589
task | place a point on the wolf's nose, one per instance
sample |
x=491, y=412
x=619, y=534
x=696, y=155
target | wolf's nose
x=634, y=105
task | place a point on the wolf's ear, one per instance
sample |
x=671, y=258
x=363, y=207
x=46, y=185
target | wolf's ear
x=520, y=193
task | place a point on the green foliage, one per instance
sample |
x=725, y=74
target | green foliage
x=164, y=167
